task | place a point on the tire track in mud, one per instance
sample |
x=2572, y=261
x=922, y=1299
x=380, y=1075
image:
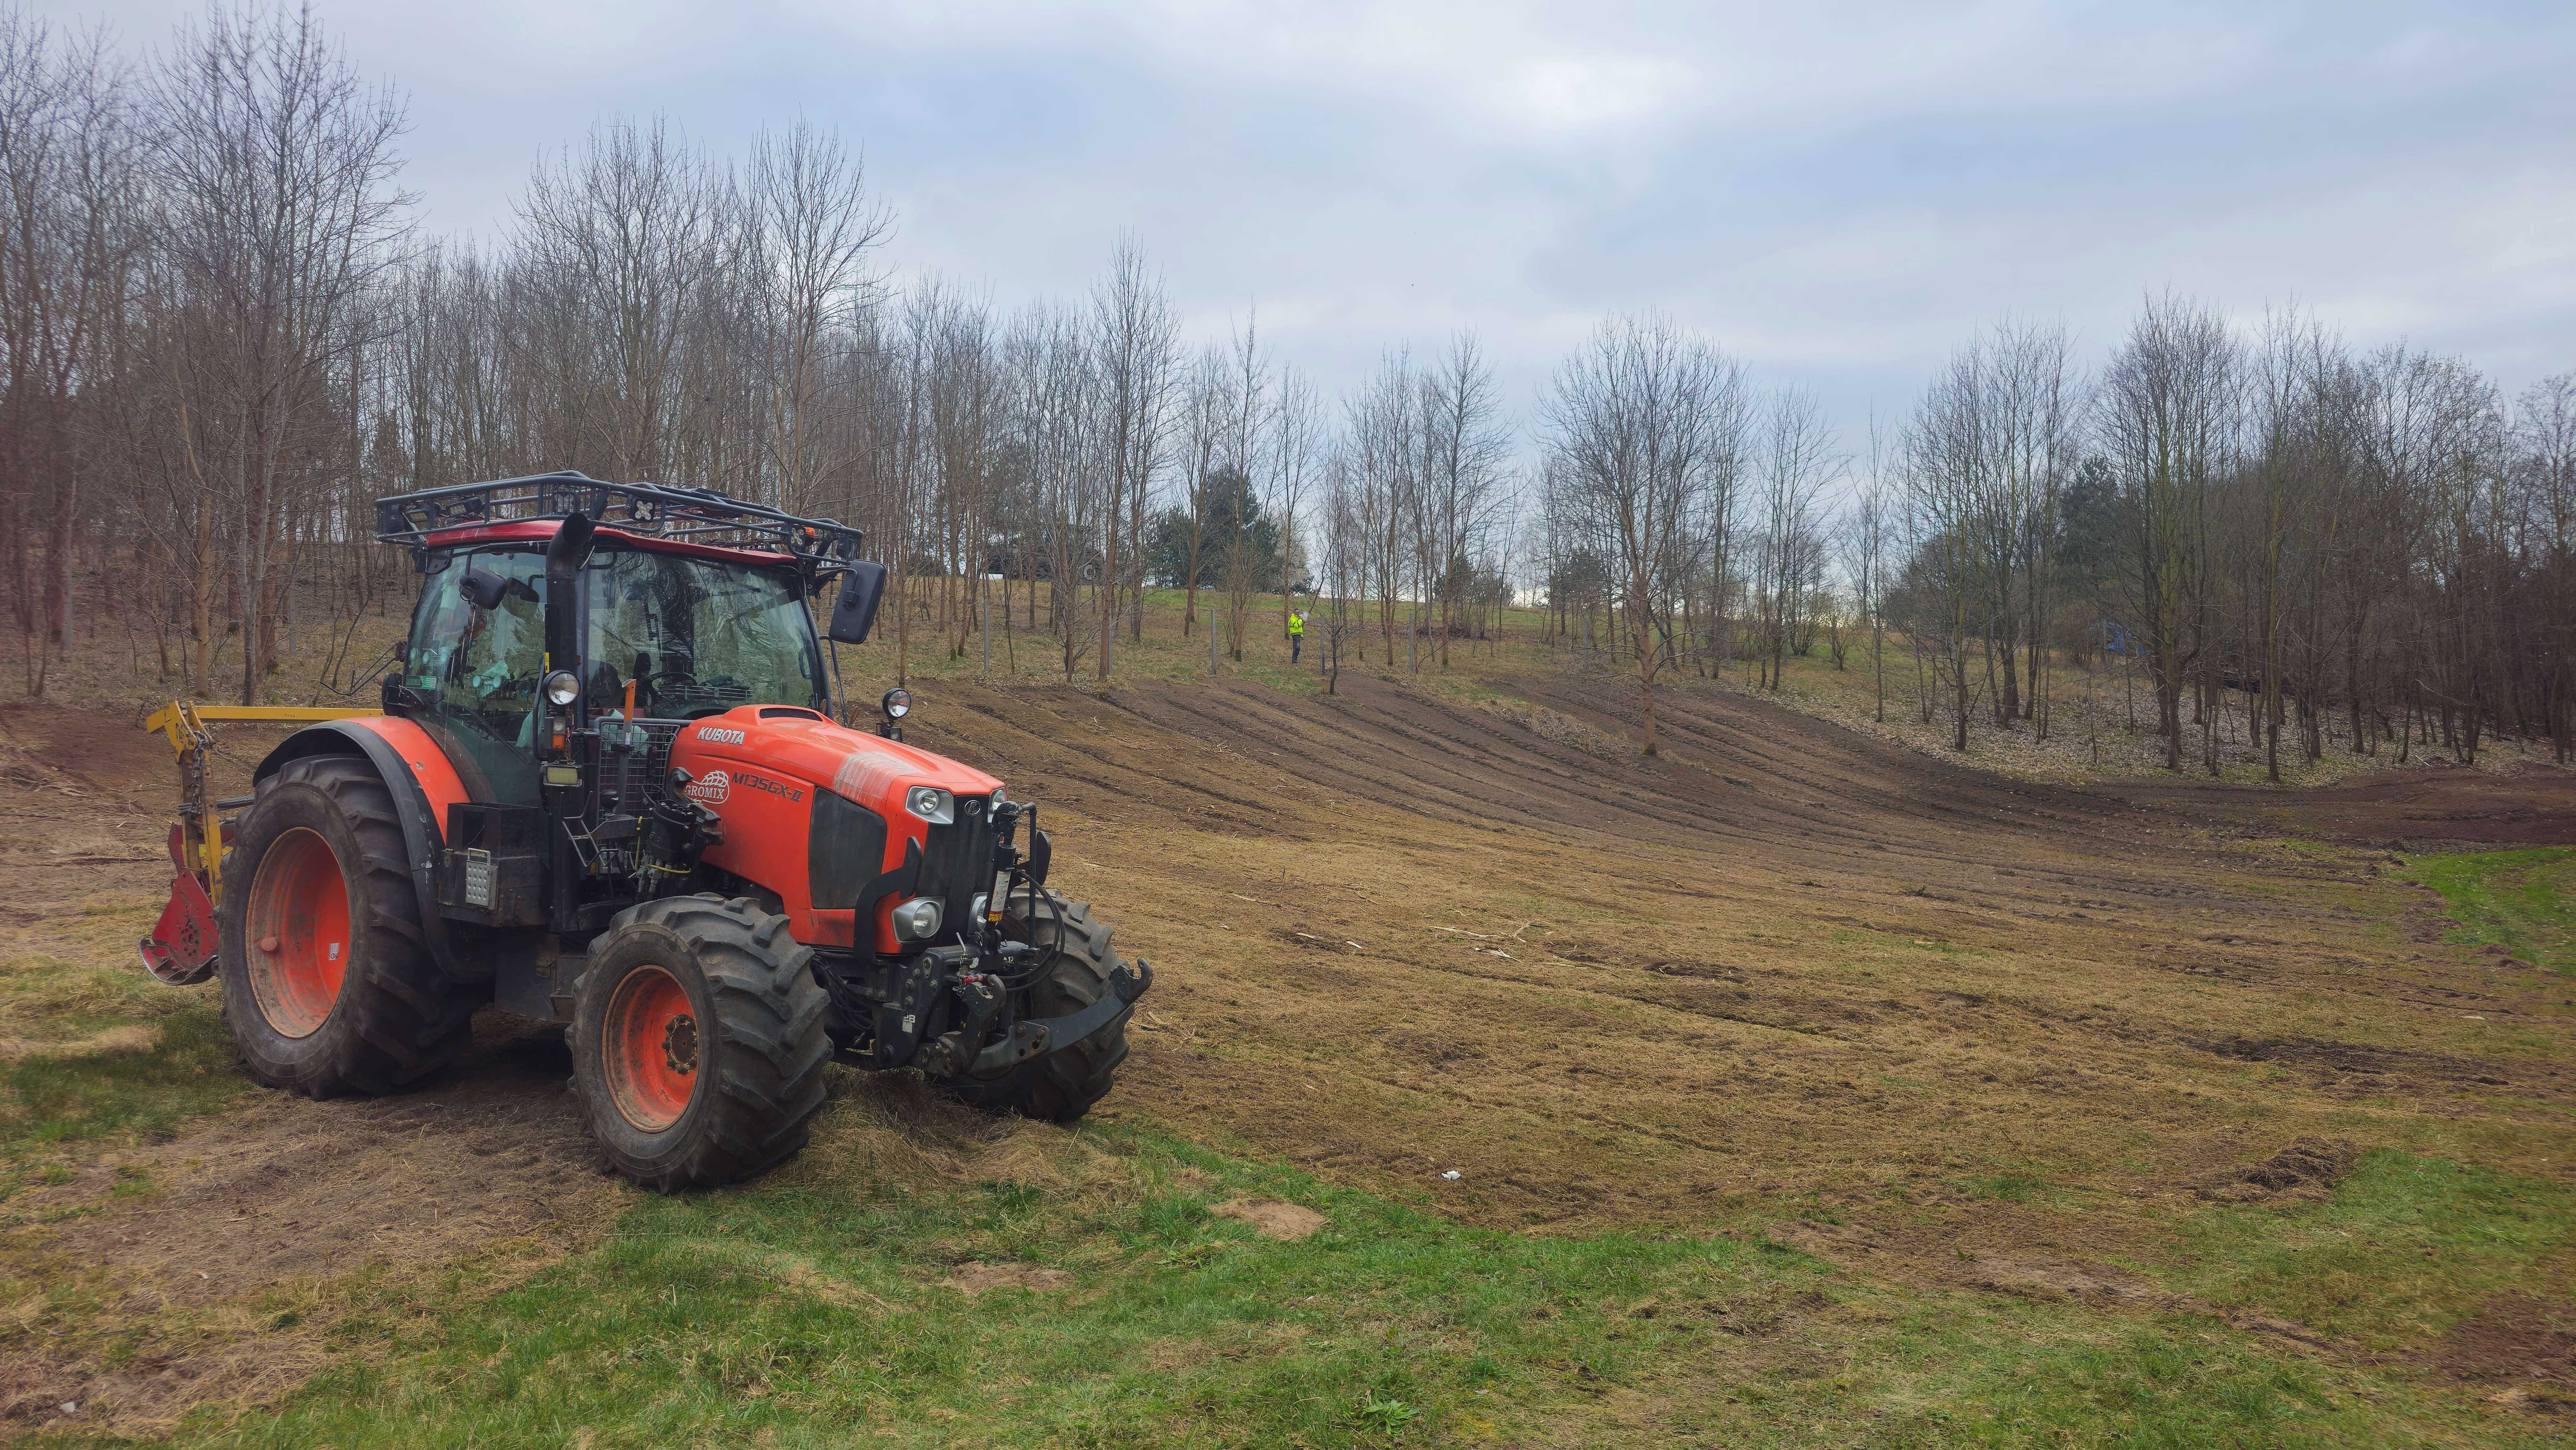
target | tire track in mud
x=2017, y=971
x=1373, y=743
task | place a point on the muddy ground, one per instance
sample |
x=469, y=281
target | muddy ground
x=1783, y=975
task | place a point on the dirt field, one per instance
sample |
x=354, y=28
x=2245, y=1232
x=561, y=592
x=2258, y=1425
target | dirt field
x=1784, y=978
x=1783, y=962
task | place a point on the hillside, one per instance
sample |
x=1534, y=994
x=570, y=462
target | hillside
x=1916, y=1074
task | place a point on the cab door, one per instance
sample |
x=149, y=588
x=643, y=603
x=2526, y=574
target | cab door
x=474, y=669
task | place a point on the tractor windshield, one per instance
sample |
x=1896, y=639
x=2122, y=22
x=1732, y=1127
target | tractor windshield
x=697, y=636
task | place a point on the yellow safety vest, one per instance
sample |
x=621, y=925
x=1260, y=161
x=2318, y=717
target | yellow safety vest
x=1296, y=624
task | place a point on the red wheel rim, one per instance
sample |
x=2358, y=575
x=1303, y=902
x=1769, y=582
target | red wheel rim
x=652, y=1049
x=297, y=933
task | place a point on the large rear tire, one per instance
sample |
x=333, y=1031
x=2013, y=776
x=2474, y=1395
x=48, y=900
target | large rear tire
x=1060, y=1087
x=329, y=984
x=697, y=1042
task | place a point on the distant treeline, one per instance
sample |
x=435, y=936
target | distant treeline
x=222, y=337
x=2374, y=546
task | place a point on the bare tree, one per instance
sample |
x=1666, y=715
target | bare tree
x=2168, y=420
x=1296, y=453
x=624, y=234
x=69, y=230
x=1633, y=431
x=1136, y=349
x=814, y=228
x=1869, y=544
x=1799, y=463
x=1465, y=447
x=1248, y=457
x=274, y=168
x=1207, y=407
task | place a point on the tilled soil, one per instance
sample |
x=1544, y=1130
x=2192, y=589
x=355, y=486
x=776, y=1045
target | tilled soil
x=1782, y=964
x=1947, y=1025
x=290, y=1188
x=2434, y=807
x=217, y=1269
x=263, y=1207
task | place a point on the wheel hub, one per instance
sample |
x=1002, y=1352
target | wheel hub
x=680, y=1045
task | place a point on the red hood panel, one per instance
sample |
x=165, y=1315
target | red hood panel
x=863, y=768
x=760, y=772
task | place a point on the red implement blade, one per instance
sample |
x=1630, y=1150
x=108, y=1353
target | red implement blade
x=181, y=949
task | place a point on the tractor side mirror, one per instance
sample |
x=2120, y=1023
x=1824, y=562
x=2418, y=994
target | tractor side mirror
x=855, y=611
x=571, y=546
x=486, y=589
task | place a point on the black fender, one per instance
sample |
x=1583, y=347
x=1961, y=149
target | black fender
x=424, y=835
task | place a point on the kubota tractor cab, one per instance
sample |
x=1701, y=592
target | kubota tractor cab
x=607, y=789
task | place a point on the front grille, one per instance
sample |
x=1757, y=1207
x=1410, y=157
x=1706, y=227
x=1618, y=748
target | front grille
x=957, y=860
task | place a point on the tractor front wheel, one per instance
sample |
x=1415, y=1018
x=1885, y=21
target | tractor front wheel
x=329, y=983
x=1062, y=1086
x=697, y=1042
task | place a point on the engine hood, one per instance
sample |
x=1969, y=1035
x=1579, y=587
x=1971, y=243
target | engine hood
x=769, y=771
x=859, y=767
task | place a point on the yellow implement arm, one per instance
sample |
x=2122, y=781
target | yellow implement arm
x=200, y=849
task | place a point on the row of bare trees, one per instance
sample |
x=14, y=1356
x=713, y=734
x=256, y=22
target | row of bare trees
x=2286, y=545
x=2289, y=545
x=1418, y=507
x=190, y=251
x=1683, y=508
x=222, y=337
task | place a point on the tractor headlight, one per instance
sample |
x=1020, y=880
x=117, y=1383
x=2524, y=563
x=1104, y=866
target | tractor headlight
x=917, y=919
x=897, y=703
x=931, y=804
x=562, y=688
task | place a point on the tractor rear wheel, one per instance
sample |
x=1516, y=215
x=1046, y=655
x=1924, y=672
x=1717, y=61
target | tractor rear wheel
x=1062, y=1086
x=697, y=1042
x=329, y=984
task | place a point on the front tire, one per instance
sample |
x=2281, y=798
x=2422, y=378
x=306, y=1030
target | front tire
x=1062, y=1086
x=329, y=984
x=698, y=1043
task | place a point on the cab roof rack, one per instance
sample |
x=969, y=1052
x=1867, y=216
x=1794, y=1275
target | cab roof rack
x=697, y=515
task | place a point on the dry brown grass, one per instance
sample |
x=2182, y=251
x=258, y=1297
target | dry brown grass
x=1952, y=1028
x=1784, y=967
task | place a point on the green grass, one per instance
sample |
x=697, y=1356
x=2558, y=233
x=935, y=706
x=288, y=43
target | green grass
x=2407, y=1248
x=799, y=1312
x=2519, y=900
x=101, y=1053
x=805, y=1312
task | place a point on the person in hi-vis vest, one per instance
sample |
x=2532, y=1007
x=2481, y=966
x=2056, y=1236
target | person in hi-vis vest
x=1296, y=635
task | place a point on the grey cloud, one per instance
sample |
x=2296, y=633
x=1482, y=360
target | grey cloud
x=1840, y=192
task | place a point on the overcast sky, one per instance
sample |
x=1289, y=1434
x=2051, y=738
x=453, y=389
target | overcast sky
x=1839, y=193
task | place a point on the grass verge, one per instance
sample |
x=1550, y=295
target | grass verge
x=1096, y=1293
x=2523, y=901
x=92, y=1051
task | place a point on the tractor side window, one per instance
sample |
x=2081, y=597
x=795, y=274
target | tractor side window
x=478, y=652
x=698, y=636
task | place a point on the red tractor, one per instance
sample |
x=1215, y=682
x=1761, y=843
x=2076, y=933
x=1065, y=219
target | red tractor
x=607, y=789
